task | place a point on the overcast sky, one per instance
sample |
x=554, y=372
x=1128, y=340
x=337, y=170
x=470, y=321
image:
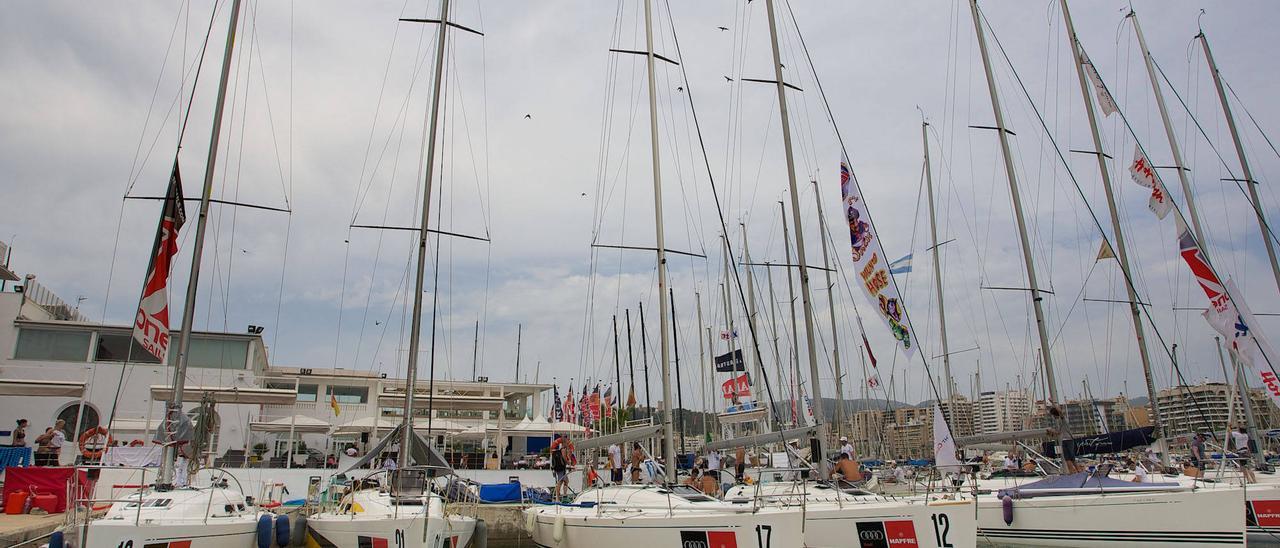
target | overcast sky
x=544, y=148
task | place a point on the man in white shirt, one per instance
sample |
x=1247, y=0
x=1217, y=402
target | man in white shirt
x=1140, y=473
x=846, y=447
x=713, y=460
x=615, y=464
x=1240, y=438
x=60, y=437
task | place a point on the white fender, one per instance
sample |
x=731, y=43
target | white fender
x=557, y=533
x=530, y=521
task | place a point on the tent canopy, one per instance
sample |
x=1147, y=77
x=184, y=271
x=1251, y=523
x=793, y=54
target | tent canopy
x=382, y=424
x=444, y=402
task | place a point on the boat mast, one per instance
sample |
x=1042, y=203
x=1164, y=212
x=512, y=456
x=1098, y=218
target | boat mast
x=1252, y=185
x=823, y=429
x=1169, y=132
x=617, y=368
x=937, y=273
x=411, y=386
x=1122, y=253
x=475, y=351
x=795, y=328
x=773, y=323
x=519, y=337
x=758, y=370
x=728, y=303
x=668, y=439
x=831, y=307
x=173, y=408
x=702, y=359
x=631, y=364
x=1028, y=260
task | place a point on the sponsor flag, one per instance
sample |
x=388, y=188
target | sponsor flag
x=729, y=362
x=902, y=265
x=631, y=397
x=728, y=334
x=873, y=381
x=1105, y=100
x=1144, y=174
x=867, y=345
x=557, y=411
x=736, y=387
x=944, y=446
x=869, y=261
x=569, y=411
x=151, y=324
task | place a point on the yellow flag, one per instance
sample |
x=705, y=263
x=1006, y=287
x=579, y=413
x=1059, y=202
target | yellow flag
x=333, y=402
x=1105, y=252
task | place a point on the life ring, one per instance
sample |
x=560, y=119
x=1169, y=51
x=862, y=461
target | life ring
x=136, y=443
x=91, y=434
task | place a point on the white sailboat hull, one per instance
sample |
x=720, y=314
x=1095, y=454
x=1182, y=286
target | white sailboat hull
x=371, y=519
x=582, y=529
x=211, y=517
x=1185, y=518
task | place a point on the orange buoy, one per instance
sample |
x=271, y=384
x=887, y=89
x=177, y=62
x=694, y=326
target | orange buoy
x=95, y=432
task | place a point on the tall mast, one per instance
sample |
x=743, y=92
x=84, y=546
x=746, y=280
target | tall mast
x=617, y=368
x=1169, y=132
x=668, y=440
x=1028, y=260
x=702, y=358
x=937, y=274
x=173, y=408
x=1122, y=254
x=758, y=369
x=831, y=307
x=800, y=253
x=406, y=437
x=631, y=364
x=791, y=300
x=773, y=322
x=519, y=338
x=675, y=337
x=475, y=351
x=644, y=362
x=728, y=302
x=1244, y=161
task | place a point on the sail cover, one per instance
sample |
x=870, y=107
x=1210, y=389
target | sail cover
x=422, y=453
x=1084, y=482
x=1114, y=442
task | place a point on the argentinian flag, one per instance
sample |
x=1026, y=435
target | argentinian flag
x=901, y=266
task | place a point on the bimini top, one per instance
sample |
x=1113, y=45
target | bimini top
x=1084, y=483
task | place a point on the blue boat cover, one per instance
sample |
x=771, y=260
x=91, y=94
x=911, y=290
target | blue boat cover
x=500, y=492
x=1080, y=481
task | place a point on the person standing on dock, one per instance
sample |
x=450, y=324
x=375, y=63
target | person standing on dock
x=615, y=463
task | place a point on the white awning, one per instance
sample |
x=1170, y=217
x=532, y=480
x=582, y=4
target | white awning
x=228, y=394
x=301, y=424
x=443, y=402
x=23, y=387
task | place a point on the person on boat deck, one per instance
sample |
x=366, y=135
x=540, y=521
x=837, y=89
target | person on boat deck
x=846, y=448
x=637, y=459
x=740, y=463
x=1140, y=474
x=710, y=484
x=615, y=463
x=389, y=463
x=1029, y=465
x=1241, y=440
x=559, y=465
x=847, y=468
x=351, y=451
x=1009, y=464
x=713, y=460
x=19, y=438
x=56, y=441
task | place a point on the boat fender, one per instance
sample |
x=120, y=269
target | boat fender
x=480, y=539
x=300, y=532
x=557, y=532
x=282, y=531
x=264, y=531
x=530, y=522
x=1006, y=507
x=55, y=540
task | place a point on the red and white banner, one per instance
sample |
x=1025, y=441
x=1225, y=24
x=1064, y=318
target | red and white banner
x=151, y=325
x=737, y=387
x=1144, y=174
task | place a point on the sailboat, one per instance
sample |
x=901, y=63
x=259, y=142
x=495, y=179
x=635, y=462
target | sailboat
x=400, y=507
x=168, y=511
x=1087, y=508
x=664, y=514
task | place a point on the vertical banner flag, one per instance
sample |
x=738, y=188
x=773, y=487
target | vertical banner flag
x=569, y=411
x=557, y=412
x=944, y=446
x=151, y=324
x=1105, y=101
x=870, y=263
x=1144, y=174
x=333, y=403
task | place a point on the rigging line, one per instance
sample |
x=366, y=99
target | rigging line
x=724, y=227
x=271, y=122
x=1074, y=302
x=853, y=176
x=1097, y=223
x=133, y=177
x=1249, y=114
x=1257, y=211
x=133, y=166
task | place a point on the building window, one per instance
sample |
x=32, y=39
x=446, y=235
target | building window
x=215, y=353
x=348, y=394
x=120, y=348
x=306, y=392
x=52, y=344
x=70, y=414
